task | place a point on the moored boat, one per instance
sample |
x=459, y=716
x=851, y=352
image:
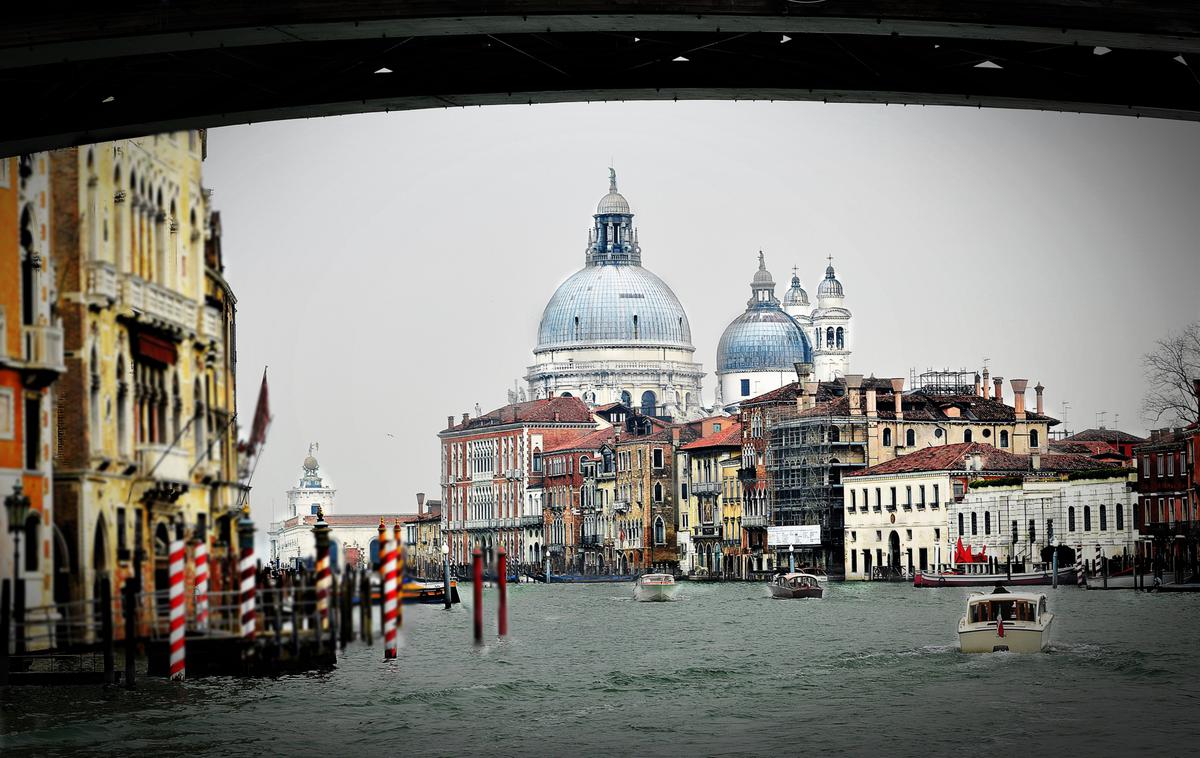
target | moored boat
x=655, y=588
x=590, y=578
x=1017, y=622
x=1025, y=578
x=794, y=586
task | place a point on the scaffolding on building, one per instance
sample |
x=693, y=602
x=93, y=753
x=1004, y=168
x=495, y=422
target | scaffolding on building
x=807, y=457
x=944, y=382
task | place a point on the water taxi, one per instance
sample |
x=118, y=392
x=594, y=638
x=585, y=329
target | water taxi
x=655, y=588
x=791, y=586
x=1014, y=621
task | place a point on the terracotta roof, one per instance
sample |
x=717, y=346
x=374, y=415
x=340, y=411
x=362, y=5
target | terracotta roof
x=954, y=458
x=363, y=519
x=589, y=441
x=1094, y=449
x=918, y=406
x=570, y=410
x=730, y=436
x=1105, y=435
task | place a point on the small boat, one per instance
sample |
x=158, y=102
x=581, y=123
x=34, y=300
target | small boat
x=416, y=591
x=1013, y=621
x=1025, y=579
x=653, y=588
x=791, y=586
x=590, y=578
x=702, y=574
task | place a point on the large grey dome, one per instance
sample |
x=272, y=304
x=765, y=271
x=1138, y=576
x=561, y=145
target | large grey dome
x=613, y=304
x=763, y=339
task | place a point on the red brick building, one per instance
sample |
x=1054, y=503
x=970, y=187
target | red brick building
x=493, y=475
x=1167, y=517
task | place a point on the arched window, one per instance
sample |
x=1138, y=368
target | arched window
x=974, y=524
x=1071, y=519
x=649, y=403
x=660, y=531
x=887, y=437
x=626, y=398
x=966, y=435
x=1103, y=518
x=829, y=338
x=910, y=438
x=658, y=492
x=94, y=398
x=841, y=338
x=987, y=522
x=198, y=418
x=1087, y=518
x=565, y=394
x=817, y=342
x=537, y=460
x=1003, y=438
x=1120, y=511
x=122, y=409
x=1034, y=439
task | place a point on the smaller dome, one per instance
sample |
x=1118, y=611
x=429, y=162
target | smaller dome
x=762, y=277
x=796, y=294
x=830, y=287
x=310, y=463
x=613, y=203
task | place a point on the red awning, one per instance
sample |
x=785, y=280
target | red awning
x=155, y=349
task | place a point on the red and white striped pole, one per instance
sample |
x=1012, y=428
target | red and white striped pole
x=177, y=618
x=200, y=559
x=324, y=575
x=248, y=572
x=387, y=554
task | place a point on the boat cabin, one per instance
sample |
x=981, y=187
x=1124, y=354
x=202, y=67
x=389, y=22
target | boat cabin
x=1003, y=605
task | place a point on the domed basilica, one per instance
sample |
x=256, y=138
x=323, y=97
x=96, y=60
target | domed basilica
x=615, y=332
x=759, y=350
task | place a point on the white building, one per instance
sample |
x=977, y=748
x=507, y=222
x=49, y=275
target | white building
x=759, y=350
x=910, y=512
x=354, y=537
x=831, y=330
x=615, y=332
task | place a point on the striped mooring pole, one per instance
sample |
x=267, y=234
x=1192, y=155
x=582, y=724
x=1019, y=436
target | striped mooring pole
x=324, y=575
x=200, y=559
x=502, y=593
x=387, y=554
x=176, y=553
x=248, y=572
x=477, y=593
x=397, y=530
x=1080, y=574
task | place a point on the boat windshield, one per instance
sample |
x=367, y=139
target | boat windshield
x=1009, y=610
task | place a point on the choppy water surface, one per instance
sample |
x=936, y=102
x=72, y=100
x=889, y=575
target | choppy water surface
x=585, y=670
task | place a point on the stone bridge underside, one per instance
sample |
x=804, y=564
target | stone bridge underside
x=150, y=66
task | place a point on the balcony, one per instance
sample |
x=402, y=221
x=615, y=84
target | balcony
x=590, y=540
x=210, y=323
x=478, y=524
x=163, y=463
x=531, y=521
x=747, y=475
x=706, y=488
x=620, y=506
x=754, y=522
x=42, y=351
x=101, y=283
x=158, y=305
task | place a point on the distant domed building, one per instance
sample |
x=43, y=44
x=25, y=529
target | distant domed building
x=831, y=330
x=615, y=332
x=759, y=350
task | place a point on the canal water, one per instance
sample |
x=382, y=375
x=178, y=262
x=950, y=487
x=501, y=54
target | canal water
x=872, y=668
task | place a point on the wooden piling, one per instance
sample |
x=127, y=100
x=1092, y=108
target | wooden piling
x=106, y=628
x=294, y=583
x=502, y=597
x=130, y=610
x=346, y=616
x=365, y=606
x=477, y=593
x=18, y=614
x=4, y=622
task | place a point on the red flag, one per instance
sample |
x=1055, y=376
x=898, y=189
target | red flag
x=1000, y=627
x=262, y=418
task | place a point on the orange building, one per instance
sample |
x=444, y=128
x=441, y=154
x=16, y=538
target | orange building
x=31, y=359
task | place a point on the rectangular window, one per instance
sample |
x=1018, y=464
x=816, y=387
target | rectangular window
x=658, y=457
x=937, y=534
x=745, y=388
x=7, y=430
x=908, y=495
x=893, y=493
x=683, y=490
x=936, y=499
x=1146, y=466
x=121, y=539
x=1161, y=466
x=853, y=562
x=853, y=498
x=1170, y=464
x=33, y=432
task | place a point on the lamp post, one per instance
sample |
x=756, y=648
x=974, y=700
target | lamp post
x=446, y=573
x=17, y=506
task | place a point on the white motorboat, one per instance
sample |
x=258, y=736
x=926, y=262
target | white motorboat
x=1018, y=622
x=652, y=588
x=793, y=586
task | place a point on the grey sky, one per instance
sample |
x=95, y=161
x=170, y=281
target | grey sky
x=391, y=269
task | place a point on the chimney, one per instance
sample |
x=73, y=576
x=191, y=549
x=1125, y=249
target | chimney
x=1018, y=388
x=466, y=418
x=1035, y=461
x=810, y=393
x=853, y=384
x=986, y=384
x=1039, y=389
x=898, y=396
x=871, y=412
x=675, y=436
x=803, y=371
x=556, y=415
x=978, y=389
x=999, y=380
x=449, y=422
x=976, y=461
x=420, y=503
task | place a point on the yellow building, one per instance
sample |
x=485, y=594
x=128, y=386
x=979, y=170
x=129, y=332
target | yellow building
x=734, y=547
x=146, y=444
x=705, y=514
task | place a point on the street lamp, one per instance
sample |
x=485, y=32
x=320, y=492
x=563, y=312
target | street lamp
x=17, y=506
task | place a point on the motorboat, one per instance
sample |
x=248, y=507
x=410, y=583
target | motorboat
x=1017, y=622
x=652, y=588
x=798, y=585
x=972, y=579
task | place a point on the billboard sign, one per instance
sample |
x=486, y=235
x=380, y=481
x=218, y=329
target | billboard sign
x=805, y=535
